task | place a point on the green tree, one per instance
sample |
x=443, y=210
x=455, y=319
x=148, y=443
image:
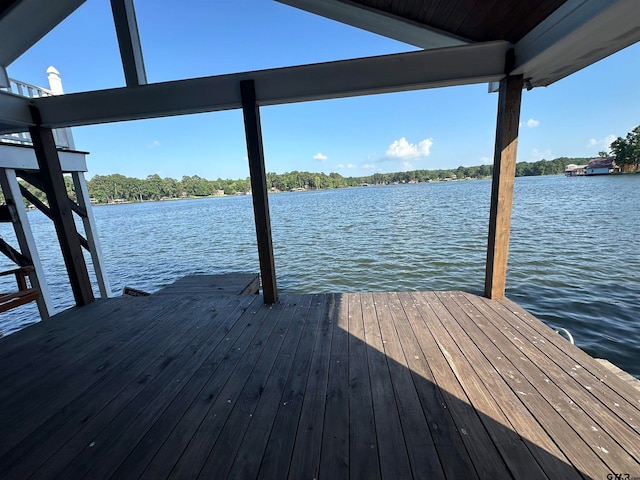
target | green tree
x=627, y=150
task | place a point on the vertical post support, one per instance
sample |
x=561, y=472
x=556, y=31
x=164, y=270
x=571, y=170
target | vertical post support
x=504, y=172
x=258, y=176
x=22, y=227
x=4, y=77
x=84, y=200
x=124, y=17
x=62, y=215
x=63, y=136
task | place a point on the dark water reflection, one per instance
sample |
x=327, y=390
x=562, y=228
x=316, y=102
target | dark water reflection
x=574, y=258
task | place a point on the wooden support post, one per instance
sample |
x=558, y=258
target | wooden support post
x=60, y=206
x=84, y=201
x=504, y=172
x=257, y=172
x=20, y=220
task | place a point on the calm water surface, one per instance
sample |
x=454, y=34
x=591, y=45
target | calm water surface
x=574, y=258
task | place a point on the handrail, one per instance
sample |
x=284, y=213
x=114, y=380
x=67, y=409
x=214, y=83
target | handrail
x=62, y=136
x=18, y=87
x=25, y=293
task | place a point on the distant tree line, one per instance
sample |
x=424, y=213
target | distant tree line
x=118, y=188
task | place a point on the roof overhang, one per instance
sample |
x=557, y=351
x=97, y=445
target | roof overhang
x=574, y=35
x=27, y=21
x=379, y=22
x=578, y=34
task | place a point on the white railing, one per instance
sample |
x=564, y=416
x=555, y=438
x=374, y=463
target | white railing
x=63, y=136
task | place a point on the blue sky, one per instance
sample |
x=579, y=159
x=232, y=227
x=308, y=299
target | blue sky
x=436, y=128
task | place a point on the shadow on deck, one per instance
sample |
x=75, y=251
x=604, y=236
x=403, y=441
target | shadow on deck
x=384, y=385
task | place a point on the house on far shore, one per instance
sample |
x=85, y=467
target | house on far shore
x=573, y=170
x=602, y=166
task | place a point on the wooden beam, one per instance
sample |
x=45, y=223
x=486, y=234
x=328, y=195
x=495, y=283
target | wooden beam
x=504, y=172
x=62, y=215
x=12, y=254
x=47, y=211
x=257, y=171
x=467, y=64
x=380, y=23
x=124, y=17
x=14, y=113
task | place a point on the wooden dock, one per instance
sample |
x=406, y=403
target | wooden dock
x=382, y=385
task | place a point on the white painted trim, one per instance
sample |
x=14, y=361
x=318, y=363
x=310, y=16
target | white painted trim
x=578, y=34
x=468, y=64
x=55, y=82
x=24, y=158
x=90, y=230
x=375, y=21
x=22, y=227
x=124, y=17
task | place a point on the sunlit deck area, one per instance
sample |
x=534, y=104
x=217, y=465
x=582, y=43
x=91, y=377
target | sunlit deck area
x=359, y=385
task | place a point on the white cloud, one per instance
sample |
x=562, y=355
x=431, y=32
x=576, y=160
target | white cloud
x=407, y=166
x=351, y=165
x=369, y=166
x=320, y=157
x=603, y=143
x=540, y=154
x=340, y=165
x=485, y=160
x=531, y=123
x=403, y=149
x=154, y=144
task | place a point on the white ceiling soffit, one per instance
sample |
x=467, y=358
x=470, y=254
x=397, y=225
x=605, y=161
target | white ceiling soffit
x=387, y=25
x=475, y=63
x=29, y=21
x=578, y=34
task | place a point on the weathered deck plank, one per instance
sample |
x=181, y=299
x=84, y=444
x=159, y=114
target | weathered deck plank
x=334, y=462
x=420, y=447
x=426, y=363
x=364, y=460
x=305, y=460
x=223, y=284
x=384, y=385
x=558, y=414
x=278, y=391
x=581, y=398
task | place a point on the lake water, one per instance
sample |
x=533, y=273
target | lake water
x=574, y=259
